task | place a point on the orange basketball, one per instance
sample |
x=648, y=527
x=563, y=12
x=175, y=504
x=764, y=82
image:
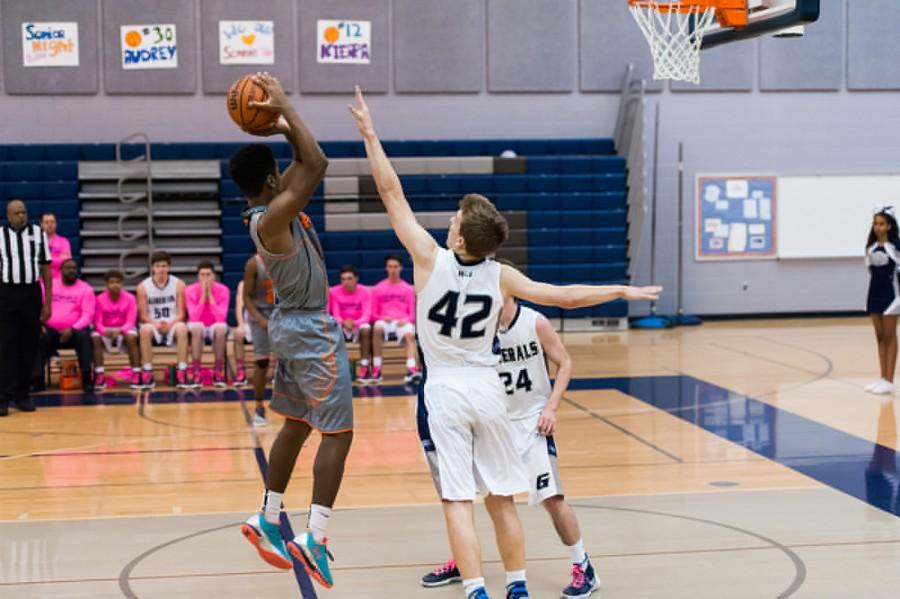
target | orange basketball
x=249, y=118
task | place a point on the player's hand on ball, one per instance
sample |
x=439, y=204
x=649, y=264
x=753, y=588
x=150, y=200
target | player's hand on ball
x=279, y=127
x=641, y=293
x=277, y=100
x=360, y=112
x=546, y=424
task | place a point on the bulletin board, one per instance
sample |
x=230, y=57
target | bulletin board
x=736, y=217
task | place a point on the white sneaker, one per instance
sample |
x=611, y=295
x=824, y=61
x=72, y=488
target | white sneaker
x=884, y=388
x=873, y=385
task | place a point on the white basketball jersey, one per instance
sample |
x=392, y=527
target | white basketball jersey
x=162, y=302
x=458, y=311
x=522, y=368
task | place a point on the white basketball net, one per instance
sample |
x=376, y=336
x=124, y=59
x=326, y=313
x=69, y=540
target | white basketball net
x=675, y=37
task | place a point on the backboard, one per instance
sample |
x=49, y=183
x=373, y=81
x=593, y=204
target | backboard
x=783, y=18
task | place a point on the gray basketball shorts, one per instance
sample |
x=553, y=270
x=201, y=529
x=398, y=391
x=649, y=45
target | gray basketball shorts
x=312, y=380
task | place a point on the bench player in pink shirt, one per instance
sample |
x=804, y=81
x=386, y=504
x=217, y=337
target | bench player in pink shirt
x=60, y=248
x=351, y=306
x=207, y=304
x=394, y=313
x=115, y=322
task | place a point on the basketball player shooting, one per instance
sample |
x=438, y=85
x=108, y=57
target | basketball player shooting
x=312, y=381
x=463, y=422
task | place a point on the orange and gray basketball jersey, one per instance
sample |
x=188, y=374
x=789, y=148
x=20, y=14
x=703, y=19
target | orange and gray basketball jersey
x=298, y=277
x=162, y=302
x=457, y=313
x=523, y=368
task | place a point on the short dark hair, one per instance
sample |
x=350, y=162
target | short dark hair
x=351, y=269
x=206, y=264
x=250, y=166
x=72, y=260
x=161, y=256
x=47, y=213
x=395, y=257
x=483, y=227
x=113, y=274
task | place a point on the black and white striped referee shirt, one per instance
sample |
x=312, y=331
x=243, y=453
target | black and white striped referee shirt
x=22, y=253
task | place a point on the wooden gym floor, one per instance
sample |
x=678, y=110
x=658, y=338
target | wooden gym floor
x=735, y=459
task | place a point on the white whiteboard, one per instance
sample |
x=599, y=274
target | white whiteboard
x=830, y=216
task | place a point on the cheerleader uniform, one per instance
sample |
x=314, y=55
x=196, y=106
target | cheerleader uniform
x=884, y=288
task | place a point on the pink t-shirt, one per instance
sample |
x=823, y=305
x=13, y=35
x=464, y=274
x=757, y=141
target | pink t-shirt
x=207, y=312
x=71, y=305
x=60, y=251
x=396, y=301
x=356, y=306
x=120, y=315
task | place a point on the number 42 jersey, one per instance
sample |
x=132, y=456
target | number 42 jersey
x=458, y=311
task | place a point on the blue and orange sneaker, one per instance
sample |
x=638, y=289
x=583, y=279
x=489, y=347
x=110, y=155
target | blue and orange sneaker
x=517, y=590
x=446, y=574
x=314, y=556
x=266, y=537
x=584, y=581
x=479, y=593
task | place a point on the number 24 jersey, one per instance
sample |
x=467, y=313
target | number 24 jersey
x=458, y=311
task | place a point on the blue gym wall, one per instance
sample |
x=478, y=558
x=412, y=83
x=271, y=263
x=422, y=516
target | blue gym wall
x=822, y=104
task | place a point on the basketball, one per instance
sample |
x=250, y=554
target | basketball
x=249, y=118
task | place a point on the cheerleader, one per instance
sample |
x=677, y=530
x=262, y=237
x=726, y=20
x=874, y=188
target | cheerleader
x=883, y=303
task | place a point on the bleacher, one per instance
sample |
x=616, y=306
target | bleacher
x=564, y=198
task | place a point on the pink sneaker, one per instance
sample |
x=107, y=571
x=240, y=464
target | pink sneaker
x=362, y=373
x=376, y=377
x=240, y=379
x=181, y=379
x=147, y=381
x=413, y=376
x=136, y=379
x=219, y=377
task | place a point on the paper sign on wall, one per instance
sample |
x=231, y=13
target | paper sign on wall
x=246, y=42
x=343, y=42
x=50, y=44
x=734, y=217
x=149, y=47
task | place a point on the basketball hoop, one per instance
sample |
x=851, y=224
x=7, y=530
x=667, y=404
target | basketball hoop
x=675, y=28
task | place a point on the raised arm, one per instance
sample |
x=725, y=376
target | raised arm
x=417, y=241
x=514, y=283
x=306, y=171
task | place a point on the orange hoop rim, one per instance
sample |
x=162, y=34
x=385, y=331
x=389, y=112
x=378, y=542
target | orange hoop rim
x=732, y=13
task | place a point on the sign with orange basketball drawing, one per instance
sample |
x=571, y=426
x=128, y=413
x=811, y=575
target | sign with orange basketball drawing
x=50, y=44
x=246, y=42
x=344, y=42
x=149, y=47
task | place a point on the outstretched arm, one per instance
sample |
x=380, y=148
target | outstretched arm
x=514, y=283
x=306, y=171
x=417, y=241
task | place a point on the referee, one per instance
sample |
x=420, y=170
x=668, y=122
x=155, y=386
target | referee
x=24, y=261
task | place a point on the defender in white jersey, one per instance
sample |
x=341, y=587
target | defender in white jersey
x=464, y=429
x=527, y=343
x=161, y=313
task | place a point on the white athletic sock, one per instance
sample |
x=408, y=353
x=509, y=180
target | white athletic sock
x=577, y=552
x=363, y=363
x=148, y=366
x=318, y=521
x=470, y=584
x=99, y=370
x=411, y=363
x=376, y=362
x=515, y=576
x=271, y=506
x=182, y=365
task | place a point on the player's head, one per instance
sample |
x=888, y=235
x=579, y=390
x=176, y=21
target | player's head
x=884, y=226
x=69, y=271
x=393, y=264
x=206, y=272
x=255, y=172
x=16, y=214
x=48, y=223
x=114, y=280
x=349, y=278
x=477, y=229
x=160, y=263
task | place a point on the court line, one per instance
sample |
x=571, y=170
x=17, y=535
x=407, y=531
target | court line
x=623, y=430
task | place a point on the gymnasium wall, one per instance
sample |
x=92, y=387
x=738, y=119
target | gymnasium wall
x=822, y=104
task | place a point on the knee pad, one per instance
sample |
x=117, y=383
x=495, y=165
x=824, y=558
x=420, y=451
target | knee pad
x=263, y=364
